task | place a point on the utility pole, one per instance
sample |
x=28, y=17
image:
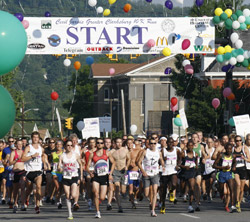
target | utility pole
x=23, y=119
x=123, y=113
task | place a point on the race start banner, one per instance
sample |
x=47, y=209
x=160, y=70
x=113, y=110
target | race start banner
x=120, y=35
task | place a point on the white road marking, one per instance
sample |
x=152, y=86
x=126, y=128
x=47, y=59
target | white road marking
x=188, y=215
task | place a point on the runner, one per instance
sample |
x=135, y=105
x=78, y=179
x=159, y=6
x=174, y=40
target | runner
x=121, y=163
x=19, y=175
x=2, y=144
x=150, y=170
x=225, y=162
x=33, y=156
x=68, y=165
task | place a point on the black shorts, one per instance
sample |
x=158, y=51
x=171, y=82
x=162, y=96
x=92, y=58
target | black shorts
x=208, y=176
x=69, y=182
x=102, y=180
x=31, y=176
x=247, y=173
x=167, y=178
x=188, y=174
x=5, y=174
x=198, y=172
x=241, y=171
x=18, y=175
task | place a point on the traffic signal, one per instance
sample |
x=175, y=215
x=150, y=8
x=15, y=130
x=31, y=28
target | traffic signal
x=69, y=123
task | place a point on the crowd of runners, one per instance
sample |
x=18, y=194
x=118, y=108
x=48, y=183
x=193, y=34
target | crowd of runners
x=155, y=168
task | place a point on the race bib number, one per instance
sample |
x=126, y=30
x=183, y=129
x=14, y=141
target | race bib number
x=67, y=175
x=55, y=165
x=102, y=171
x=240, y=162
x=133, y=175
x=227, y=162
x=11, y=176
x=209, y=163
x=151, y=170
x=190, y=163
x=171, y=161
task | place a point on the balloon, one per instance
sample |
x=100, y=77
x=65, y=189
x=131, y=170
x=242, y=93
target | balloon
x=174, y=101
x=216, y=19
x=240, y=51
x=234, y=37
x=231, y=122
x=229, y=23
x=231, y=97
x=225, y=68
x=151, y=43
x=168, y=70
x=92, y=3
x=127, y=8
x=178, y=116
x=233, y=61
x=54, y=95
x=243, y=26
x=239, y=13
x=227, y=91
x=19, y=16
x=240, y=58
x=229, y=12
x=169, y=4
x=80, y=125
x=186, y=62
x=199, y=3
x=234, y=17
x=133, y=129
x=106, y=12
x=13, y=42
x=241, y=19
x=236, y=25
x=215, y=103
x=111, y=2
x=77, y=65
x=246, y=55
x=245, y=63
x=67, y=62
x=238, y=44
x=218, y=11
x=148, y=0
x=228, y=56
x=228, y=48
x=7, y=111
x=99, y=10
x=47, y=14
x=223, y=16
x=166, y=51
x=237, y=107
x=220, y=58
x=246, y=12
x=25, y=24
x=111, y=71
x=89, y=60
x=173, y=108
x=185, y=44
x=178, y=122
x=221, y=24
x=189, y=69
x=221, y=50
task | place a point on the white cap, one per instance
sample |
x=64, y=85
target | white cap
x=174, y=137
x=163, y=138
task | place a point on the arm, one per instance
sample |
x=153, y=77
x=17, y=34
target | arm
x=112, y=160
x=12, y=161
x=88, y=164
x=80, y=164
x=215, y=154
x=179, y=158
x=246, y=151
x=140, y=162
x=45, y=161
x=60, y=164
x=127, y=160
x=26, y=158
x=162, y=162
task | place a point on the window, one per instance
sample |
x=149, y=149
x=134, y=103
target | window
x=106, y=93
x=142, y=107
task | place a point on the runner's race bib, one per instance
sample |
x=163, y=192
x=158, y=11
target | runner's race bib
x=102, y=170
x=171, y=161
x=151, y=170
x=240, y=162
x=1, y=164
x=11, y=176
x=55, y=166
x=227, y=162
x=67, y=174
x=190, y=163
x=209, y=163
x=133, y=175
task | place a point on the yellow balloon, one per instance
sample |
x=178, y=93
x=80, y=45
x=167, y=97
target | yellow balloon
x=228, y=48
x=221, y=50
x=248, y=67
x=166, y=51
x=111, y=2
x=106, y=12
x=178, y=116
x=229, y=12
x=218, y=11
x=248, y=26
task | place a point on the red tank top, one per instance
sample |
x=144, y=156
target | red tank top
x=103, y=157
x=16, y=157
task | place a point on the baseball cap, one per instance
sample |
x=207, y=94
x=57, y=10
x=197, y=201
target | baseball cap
x=174, y=137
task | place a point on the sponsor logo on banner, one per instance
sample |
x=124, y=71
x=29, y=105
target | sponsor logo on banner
x=131, y=49
x=105, y=49
x=161, y=40
x=54, y=40
x=203, y=48
x=119, y=49
x=168, y=25
x=46, y=24
x=73, y=50
x=36, y=46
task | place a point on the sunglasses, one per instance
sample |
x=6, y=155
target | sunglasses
x=238, y=140
x=11, y=141
x=99, y=143
x=69, y=145
x=153, y=143
x=51, y=142
x=154, y=137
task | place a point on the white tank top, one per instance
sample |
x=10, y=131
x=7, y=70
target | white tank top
x=77, y=151
x=151, y=162
x=247, y=163
x=170, y=162
x=70, y=168
x=209, y=164
x=34, y=164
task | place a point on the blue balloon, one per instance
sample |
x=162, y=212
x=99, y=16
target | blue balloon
x=89, y=60
x=47, y=14
x=149, y=0
x=199, y=3
x=168, y=70
x=19, y=16
x=169, y=4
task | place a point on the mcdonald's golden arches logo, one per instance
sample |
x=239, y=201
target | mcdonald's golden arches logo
x=162, y=40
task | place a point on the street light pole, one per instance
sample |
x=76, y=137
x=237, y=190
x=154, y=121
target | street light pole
x=23, y=119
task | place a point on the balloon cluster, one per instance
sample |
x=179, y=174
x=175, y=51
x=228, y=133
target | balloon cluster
x=173, y=104
x=20, y=17
x=227, y=93
x=188, y=67
x=177, y=121
x=89, y=60
x=99, y=10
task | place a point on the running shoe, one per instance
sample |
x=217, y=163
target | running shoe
x=175, y=201
x=48, y=200
x=120, y=210
x=37, y=209
x=98, y=214
x=238, y=207
x=3, y=201
x=209, y=199
x=171, y=197
x=23, y=208
x=204, y=196
x=135, y=201
x=15, y=209
x=133, y=206
x=70, y=218
x=227, y=209
x=52, y=201
x=76, y=206
x=59, y=205
x=153, y=214
x=185, y=198
x=27, y=203
x=233, y=209
x=10, y=205
x=190, y=209
x=163, y=210
x=90, y=204
x=109, y=207
x=197, y=208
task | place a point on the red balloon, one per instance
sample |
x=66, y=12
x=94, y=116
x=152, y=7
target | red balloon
x=174, y=101
x=237, y=107
x=54, y=95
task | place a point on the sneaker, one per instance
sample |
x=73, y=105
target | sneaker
x=185, y=198
x=3, y=201
x=48, y=200
x=135, y=201
x=238, y=207
x=109, y=207
x=98, y=214
x=10, y=205
x=171, y=197
x=53, y=201
x=76, y=206
x=163, y=210
x=120, y=210
x=90, y=204
x=233, y=209
x=23, y=208
x=227, y=209
x=70, y=218
x=133, y=206
x=204, y=196
x=153, y=214
x=175, y=201
x=84, y=196
x=197, y=208
x=190, y=209
x=37, y=209
x=209, y=199
x=15, y=209
x=59, y=205
x=27, y=203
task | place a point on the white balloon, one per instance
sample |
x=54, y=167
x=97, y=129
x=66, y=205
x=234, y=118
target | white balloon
x=249, y=54
x=92, y=3
x=67, y=62
x=236, y=25
x=221, y=24
x=238, y=44
x=241, y=19
x=234, y=37
x=99, y=10
x=133, y=129
x=227, y=62
x=186, y=62
x=80, y=125
x=233, y=61
x=240, y=58
x=246, y=55
x=246, y=12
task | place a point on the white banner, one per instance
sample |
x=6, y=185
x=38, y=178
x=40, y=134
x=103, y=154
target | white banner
x=59, y=120
x=105, y=124
x=119, y=35
x=242, y=125
x=183, y=118
x=91, y=128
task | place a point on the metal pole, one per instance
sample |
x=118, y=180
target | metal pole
x=123, y=113
x=23, y=119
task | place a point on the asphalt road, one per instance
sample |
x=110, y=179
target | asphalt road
x=210, y=212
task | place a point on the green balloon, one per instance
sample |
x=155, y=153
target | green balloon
x=247, y=21
x=234, y=17
x=13, y=42
x=239, y=13
x=245, y=63
x=238, y=64
x=220, y=58
x=243, y=26
x=231, y=122
x=177, y=122
x=234, y=53
x=7, y=111
x=216, y=19
x=223, y=16
x=240, y=51
x=229, y=22
x=228, y=27
x=228, y=56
